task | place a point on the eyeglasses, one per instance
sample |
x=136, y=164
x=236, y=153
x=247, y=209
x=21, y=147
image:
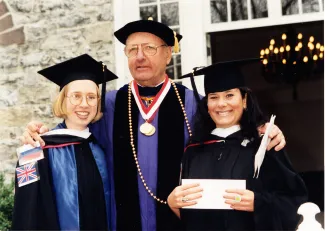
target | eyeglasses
x=147, y=48
x=76, y=99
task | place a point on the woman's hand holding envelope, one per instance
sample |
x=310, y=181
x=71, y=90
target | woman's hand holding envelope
x=184, y=195
x=240, y=199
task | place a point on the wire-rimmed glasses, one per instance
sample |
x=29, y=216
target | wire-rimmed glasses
x=147, y=48
x=77, y=97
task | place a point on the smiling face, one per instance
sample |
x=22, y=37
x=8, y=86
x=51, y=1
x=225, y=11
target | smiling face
x=226, y=108
x=148, y=70
x=79, y=116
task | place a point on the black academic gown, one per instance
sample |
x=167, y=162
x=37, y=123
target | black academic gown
x=170, y=148
x=35, y=206
x=279, y=190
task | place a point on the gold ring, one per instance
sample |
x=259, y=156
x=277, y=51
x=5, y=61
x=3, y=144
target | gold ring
x=184, y=199
x=238, y=198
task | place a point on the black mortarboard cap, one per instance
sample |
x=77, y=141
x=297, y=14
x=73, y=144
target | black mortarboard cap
x=159, y=29
x=83, y=67
x=220, y=76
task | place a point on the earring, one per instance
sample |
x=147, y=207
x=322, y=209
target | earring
x=245, y=102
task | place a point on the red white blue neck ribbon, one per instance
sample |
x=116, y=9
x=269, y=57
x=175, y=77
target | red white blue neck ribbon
x=148, y=113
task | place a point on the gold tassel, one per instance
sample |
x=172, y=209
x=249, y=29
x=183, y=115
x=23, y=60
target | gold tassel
x=176, y=44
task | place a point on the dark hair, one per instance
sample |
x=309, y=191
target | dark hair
x=252, y=118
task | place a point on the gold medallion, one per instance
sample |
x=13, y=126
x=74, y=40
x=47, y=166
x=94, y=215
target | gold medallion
x=147, y=129
x=153, y=130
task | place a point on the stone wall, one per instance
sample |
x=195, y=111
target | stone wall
x=36, y=34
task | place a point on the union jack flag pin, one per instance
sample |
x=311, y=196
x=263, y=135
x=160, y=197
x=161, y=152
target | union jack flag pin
x=27, y=174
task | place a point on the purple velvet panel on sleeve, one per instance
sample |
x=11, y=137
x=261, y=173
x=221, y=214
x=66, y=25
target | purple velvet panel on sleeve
x=103, y=132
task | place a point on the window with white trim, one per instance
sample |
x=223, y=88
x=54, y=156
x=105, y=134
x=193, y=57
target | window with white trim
x=237, y=10
x=167, y=12
x=290, y=7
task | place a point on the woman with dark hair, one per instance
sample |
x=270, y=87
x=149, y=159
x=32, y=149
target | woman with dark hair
x=251, y=118
x=224, y=145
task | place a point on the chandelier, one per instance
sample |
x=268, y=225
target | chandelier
x=292, y=58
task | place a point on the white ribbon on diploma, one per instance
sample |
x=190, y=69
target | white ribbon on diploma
x=259, y=157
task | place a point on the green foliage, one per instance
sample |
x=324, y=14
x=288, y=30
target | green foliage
x=6, y=203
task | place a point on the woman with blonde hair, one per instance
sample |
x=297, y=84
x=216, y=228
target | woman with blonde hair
x=73, y=189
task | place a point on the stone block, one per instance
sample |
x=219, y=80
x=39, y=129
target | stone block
x=11, y=143
x=52, y=42
x=9, y=56
x=105, y=13
x=8, y=97
x=48, y=5
x=72, y=4
x=16, y=115
x=11, y=78
x=3, y=8
x=8, y=166
x=98, y=32
x=61, y=55
x=22, y=19
x=40, y=30
x=12, y=49
x=43, y=94
x=9, y=63
x=42, y=110
x=12, y=36
x=35, y=59
x=7, y=132
x=6, y=22
x=30, y=47
x=103, y=50
x=32, y=78
x=95, y=2
x=73, y=20
x=73, y=34
x=25, y=6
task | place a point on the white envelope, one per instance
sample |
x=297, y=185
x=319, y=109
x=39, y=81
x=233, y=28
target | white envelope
x=213, y=191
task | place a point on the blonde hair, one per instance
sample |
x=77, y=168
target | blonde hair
x=60, y=110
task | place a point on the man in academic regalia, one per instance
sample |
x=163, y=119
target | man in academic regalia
x=144, y=129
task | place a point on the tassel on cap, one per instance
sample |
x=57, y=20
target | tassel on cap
x=196, y=93
x=201, y=108
x=103, y=88
x=176, y=44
